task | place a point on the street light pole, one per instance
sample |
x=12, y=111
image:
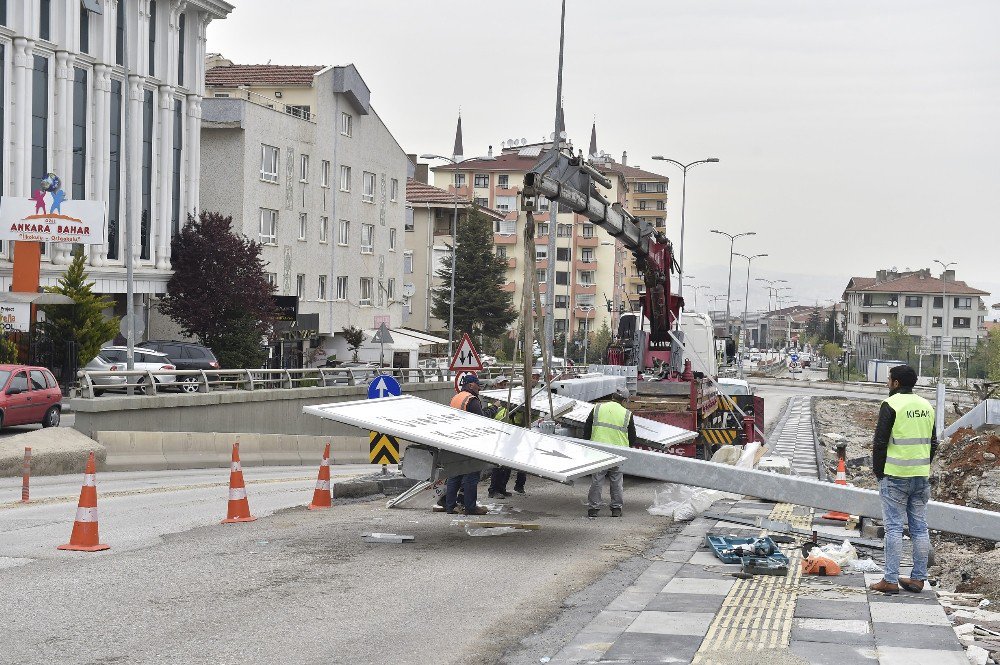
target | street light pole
x=684, y=168
x=940, y=402
x=746, y=298
x=729, y=286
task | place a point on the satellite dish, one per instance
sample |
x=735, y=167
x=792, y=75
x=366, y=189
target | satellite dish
x=552, y=136
x=409, y=290
x=884, y=322
x=524, y=141
x=562, y=135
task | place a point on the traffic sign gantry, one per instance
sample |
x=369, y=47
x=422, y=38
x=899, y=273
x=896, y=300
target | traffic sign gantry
x=466, y=357
x=384, y=385
x=383, y=448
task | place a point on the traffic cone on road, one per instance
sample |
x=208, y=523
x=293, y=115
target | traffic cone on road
x=841, y=480
x=84, y=537
x=239, y=507
x=321, y=496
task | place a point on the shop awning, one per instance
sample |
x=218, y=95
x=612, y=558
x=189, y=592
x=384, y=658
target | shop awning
x=36, y=298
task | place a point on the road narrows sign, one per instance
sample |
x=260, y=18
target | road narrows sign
x=383, y=448
x=466, y=357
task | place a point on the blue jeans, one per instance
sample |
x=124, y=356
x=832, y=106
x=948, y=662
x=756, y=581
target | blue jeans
x=905, y=499
x=469, y=483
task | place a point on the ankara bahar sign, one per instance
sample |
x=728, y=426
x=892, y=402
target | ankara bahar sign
x=48, y=216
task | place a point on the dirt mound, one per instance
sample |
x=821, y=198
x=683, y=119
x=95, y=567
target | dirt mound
x=855, y=420
x=966, y=470
x=54, y=451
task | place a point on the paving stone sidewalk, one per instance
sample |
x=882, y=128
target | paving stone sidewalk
x=688, y=608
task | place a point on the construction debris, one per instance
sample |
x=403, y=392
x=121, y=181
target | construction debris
x=386, y=538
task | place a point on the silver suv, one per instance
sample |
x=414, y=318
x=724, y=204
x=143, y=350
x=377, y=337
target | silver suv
x=145, y=359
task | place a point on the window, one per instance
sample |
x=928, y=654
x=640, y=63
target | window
x=661, y=205
x=561, y=326
x=541, y=252
x=321, y=288
x=562, y=253
x=366, y=291
x=303, y=111
x=460, y=180
x=938, y=302
x=503, y=181
x=562, y=278
x=303, y=224
x=79, y=132
x=44, y=19
x=564, y=230
x=587, y=255
x=408, y=222
x=392, y=240
x=114, y=167
x=342, y=287
x=180, y=49
x=84, y=29
x=346, y=124
x=394, y=189
x=962, y=303
x=914, y=301
x=345, y=178
x=268, y=226
x=324, y=173
x=481, y=180
x=543, y=204
x=961, y=343
x=390, y=289
x=936, y=321
x=368, y=180
x=562, y=302
x=39, y=118
x=588, y=230
x=268, y=163
x=367, y=238
x=507, y=228
x=300, y=286
x=505, y=203
x=120, y=34
x=344, y=238
x=585, y=301
x=501, y=251
x=272, y=279
x=643, y=205
x=481, y=201
x=408, y=263
x=145, y=220
x=543, y=229
x=586, y=277
x=152, y=38
x=913, y=320
x=542, y=275
x=178, y=148
x=961, y=322
x=324, y=228
x=303, y=168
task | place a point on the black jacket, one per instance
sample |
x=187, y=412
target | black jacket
x=883, y=432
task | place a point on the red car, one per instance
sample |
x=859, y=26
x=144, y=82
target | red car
x=30, y=395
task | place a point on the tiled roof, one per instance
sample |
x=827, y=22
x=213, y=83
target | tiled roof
x=505, y=161
x=234, y=75
x=914, y=283
x=628, y=171
x=419, y=192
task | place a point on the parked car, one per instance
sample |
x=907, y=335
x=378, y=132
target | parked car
x=735, y=386
x=363, y=372
x=186, y=355
x=144, y=359
x=101, y=383
x=30, y=395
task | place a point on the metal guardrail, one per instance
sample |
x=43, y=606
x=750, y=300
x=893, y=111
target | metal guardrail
x=147, y=382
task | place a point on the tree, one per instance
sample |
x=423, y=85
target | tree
x=898, y=343
x=481, y=306
x=814, y=324
x=598, y=344
x=354, y=337
x=219, y=292
x=832, y=351
x=83, y=323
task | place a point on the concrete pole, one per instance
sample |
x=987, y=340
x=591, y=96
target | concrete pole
x=550, y=277
x=126, y=181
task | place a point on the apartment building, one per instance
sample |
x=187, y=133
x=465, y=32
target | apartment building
x=588, y=263
x=427, y=244
x=301, y=160
x=941, y=314
x=64, y=91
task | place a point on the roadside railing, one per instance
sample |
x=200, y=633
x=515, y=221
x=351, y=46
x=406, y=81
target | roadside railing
x=148, y=382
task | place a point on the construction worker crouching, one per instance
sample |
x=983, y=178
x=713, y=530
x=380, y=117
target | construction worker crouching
x=610, y=423
x=466, y=400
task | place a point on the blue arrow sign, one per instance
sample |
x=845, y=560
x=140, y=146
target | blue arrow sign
x=384, y=385
x=795, y=357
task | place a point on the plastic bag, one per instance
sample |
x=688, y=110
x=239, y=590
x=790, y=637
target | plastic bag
x=842, y=554
x=865, y=566
x=683, y=503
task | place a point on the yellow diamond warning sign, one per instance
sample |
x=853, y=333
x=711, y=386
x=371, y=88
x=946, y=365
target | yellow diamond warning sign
x=384, y=448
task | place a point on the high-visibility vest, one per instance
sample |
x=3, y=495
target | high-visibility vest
x=461, y=400
x=909, y=453
x=610, y=424
x=501, y=413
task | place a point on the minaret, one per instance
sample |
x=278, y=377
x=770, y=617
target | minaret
x=593, y=140
x=458, y=152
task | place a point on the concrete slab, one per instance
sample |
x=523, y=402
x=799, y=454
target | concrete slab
x=813, y=608
x=632, y=600
x=835, y=593
x=888, y=655
x=585, y=647
x=611, y=621
x=833, y=637
x=825, y=653
x=915, y=636
x=699, y=586
x=917, y=614
x=671, y=623
x=686, y=602
x=707, y=572
x=857, y=626
x=676, y=557
x=651, y=648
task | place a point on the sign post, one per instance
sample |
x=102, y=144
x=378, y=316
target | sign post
x=382, y=337
x=382, y=447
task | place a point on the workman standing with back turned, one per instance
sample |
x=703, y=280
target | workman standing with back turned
x=611, y=423
x=903, y=446
x=466, y=400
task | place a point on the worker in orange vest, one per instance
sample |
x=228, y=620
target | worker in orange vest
x=466, y=400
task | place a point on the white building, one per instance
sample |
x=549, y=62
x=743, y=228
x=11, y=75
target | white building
x=64, y=92
x=303, y=163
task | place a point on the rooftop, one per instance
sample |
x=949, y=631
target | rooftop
x=419, y=192
x=277, y=75
x=630, y=172
x=505, y=161
x=913, y=282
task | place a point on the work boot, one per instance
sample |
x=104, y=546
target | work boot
x=884, y=587
x=499, y=495
x=912, y=585
x=593, y=512
x=520, y=490
x=478, y=510
x=616, y=512
x=438, y=508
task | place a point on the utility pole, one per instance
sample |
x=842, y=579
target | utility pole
x=729, y=287
x=940, y=402
x=550, y=277
x=126, y=161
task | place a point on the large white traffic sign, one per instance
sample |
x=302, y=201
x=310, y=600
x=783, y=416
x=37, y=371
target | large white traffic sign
x=439, y=426
x=466, y=357
x=645, y=429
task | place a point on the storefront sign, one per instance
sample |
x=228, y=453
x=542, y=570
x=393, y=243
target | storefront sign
x=15, y=316
x=49, y=218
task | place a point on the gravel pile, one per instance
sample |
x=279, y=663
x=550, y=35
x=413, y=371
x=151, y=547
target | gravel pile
x=54, y=451
x=855, y=420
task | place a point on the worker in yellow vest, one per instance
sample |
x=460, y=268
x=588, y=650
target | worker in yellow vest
x=611, y=423
x=904, y=444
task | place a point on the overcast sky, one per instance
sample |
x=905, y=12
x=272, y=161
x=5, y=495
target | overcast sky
x=853, y=135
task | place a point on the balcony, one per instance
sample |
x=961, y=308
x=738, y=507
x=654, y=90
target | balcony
x=585, y=289
x=504, y=239
x=588, y=313
x=511, y=262
x=463, y=190
x=508, y=287
x=507, y=191
x=585, y=264
x=541, y=264
x=592, y=241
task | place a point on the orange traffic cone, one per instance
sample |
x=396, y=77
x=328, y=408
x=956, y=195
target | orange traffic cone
x=321, y=497
x=239, y=507
x=841, y=480
x=84, y=537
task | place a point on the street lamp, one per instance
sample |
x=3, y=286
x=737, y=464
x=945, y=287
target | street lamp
x=939, y=416
x=770, y=286
x=454, y=245
x=732, y=241
x=700, y=287
x=587, y=309
x=685, y=168
x=746, y=299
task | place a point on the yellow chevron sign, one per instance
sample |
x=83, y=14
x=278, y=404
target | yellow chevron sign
x=718, y=436
x=384, y=449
